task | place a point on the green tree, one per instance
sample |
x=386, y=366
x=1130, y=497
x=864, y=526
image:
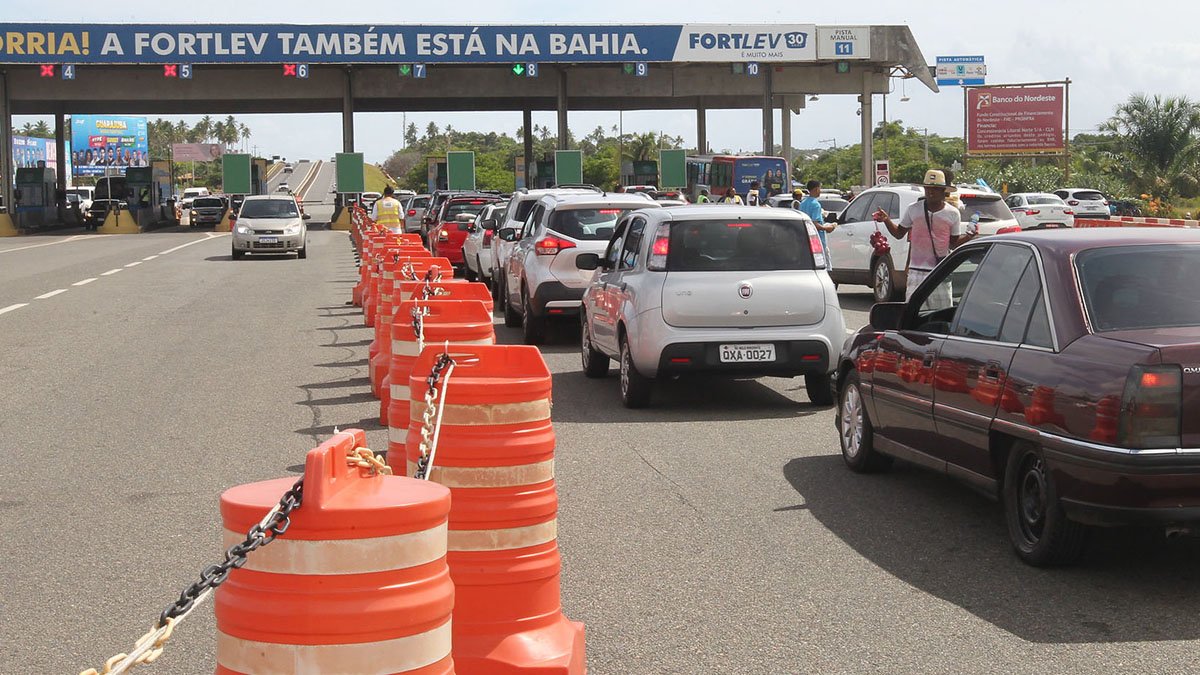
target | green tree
x=1159, y=137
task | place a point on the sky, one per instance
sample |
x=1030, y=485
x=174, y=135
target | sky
x=1109, y=50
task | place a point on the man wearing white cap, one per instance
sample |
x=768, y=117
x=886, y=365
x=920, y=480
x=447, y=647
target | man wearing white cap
x=934, y=228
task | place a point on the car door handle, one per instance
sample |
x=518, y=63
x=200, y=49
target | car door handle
x=929, y=358
x=993, y=371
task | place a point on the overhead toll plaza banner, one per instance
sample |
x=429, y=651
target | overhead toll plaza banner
x=84, y=44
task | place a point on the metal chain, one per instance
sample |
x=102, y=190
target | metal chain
x=418, y=325
x=431, y=417
x=277, y=521
x=407, y=271
x=430, y=291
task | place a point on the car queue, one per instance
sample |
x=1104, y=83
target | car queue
x=1057, y=370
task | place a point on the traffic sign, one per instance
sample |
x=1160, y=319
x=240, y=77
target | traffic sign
x=169, y=70
x=628, y=68
x=518, y=69
x=68, y=72
x=531, y=70
x=960, y=71
x=47, y=70
x=418, y=71
x=752, y=68
x=405, y=69
x=289, y=70
x=883, y=172
x=185, y=71
x=302, y=71
x=638, y=69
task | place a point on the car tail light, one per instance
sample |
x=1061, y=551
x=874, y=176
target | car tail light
x=1151, y=408
x=478, y=201
x=1032, y=212
x=1068, y=212
x=487, y=237
x=1105, y=202
x=552, y=245
x=660, y=248
x=814, y=245
x=412, y=212
x=739, y=225
x=1073, y=202
x=610, y=212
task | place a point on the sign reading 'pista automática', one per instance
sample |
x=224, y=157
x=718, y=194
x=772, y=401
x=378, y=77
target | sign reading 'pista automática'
x=166, y=43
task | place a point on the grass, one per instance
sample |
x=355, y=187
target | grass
x=375, y=180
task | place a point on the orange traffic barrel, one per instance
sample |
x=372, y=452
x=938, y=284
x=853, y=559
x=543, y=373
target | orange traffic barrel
x=366, y=257
x=395, y=268
x=458, y=322
x=495, y=452
x=388, y=251
x=358, y=583
x=447, y=289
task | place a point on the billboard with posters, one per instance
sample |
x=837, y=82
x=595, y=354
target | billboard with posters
x=103, y=142
x=28, y=151
x=1016, y=120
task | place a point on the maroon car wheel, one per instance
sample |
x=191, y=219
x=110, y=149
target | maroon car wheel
x=1039, y=529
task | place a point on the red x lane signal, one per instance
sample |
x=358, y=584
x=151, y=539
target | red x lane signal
x=170, y=70
x=48, y=71
x=289, y=70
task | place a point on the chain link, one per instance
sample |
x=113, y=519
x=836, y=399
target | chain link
x=418, y=325
x=277, y=521
x=408, y=273
x=431, y=416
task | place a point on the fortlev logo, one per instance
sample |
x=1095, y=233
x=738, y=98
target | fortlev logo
x=796, y=40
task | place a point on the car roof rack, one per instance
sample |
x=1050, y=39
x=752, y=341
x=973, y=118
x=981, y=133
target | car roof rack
x=577, y=186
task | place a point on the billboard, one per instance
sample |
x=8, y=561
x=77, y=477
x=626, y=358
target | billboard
x=100, y=143
x=82, y=44
x=196, y=152
x=29, y=151
x=1016, y=120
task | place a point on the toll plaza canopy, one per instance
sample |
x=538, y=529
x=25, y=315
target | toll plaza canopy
x=186, y=68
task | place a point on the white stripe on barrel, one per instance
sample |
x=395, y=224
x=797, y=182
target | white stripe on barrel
x=490, y=476
x=399, y=655
x=505, y=538
x=488, y=414
x=345, y=556
x=409, y=348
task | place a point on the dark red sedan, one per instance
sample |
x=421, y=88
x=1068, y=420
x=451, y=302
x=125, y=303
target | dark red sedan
x=453, y=221
x=1058, y=371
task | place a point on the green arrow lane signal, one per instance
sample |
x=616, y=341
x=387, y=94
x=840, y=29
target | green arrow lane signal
x=628, y=68
x=406, y=70
x=518, y=69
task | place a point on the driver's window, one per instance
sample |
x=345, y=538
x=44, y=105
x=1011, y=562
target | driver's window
x=532, y=221
x=938, y=297
x=857, y=211
x=613, y=253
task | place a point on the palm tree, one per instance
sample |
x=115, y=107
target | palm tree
x=204, y=128
x=42, y=130
x=641, y=147
x=1161, y=136
x=244, y=132
x=27, y=129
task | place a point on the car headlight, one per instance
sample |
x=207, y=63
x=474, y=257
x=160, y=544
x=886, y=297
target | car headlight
x=294, y=229
x=244, y=229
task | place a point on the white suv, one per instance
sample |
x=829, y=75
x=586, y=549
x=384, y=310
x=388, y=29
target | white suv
x=1086, y=203
x=854, y=261
x=728, y=290
x=520, y=204
x=541, y=279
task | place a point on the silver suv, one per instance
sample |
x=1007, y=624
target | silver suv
x=541, y=279
x=729, y=290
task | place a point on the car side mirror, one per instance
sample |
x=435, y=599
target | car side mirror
x=306, y=216
x=587, y=261
x=489, y=224
x=507, y=234
x=886, y=315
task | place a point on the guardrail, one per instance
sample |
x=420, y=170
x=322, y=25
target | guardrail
x=1135, y=221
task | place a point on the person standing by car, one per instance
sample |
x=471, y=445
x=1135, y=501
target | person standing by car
x=752, y=197
x=702, y=198
x=934, y=228
x=811, y=206
x=387, y=211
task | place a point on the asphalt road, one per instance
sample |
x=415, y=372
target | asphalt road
x=717, y=532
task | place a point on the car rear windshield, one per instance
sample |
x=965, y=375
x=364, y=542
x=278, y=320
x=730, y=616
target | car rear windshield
x=473, y=207
x=757, y=245
x=270, y=208
x=1135, y=287
x=419, y=203
x=204, y=202
x=1088, y=196
x=990, y=209
x=587, y=224
x=1044, y=199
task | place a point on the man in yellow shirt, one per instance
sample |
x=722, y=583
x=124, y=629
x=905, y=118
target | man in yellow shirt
x=388, y=210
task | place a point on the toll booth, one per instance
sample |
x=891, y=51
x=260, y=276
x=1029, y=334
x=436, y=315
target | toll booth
x=144, y=196
x=436, y=174
x=258, y=177
x=34, y=197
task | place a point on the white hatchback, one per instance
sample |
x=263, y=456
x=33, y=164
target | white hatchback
x=477, y=248
x=1086, y=203
x=1039, y=210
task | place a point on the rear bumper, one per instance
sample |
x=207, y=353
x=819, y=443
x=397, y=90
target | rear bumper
x=1102, y=485
x=553, y=298
x=792, y=358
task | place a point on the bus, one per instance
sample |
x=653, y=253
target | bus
x=720, y=173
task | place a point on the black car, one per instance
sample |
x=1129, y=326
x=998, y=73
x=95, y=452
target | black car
x=94, y=217
x=207, y=211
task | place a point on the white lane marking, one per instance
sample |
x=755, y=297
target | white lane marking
x=6, y=310
x=51, y=294
x=110, y=272
x=149, y=258
x=134, y=264
x=85, y=282
x=52, y=243
x=210, y=235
